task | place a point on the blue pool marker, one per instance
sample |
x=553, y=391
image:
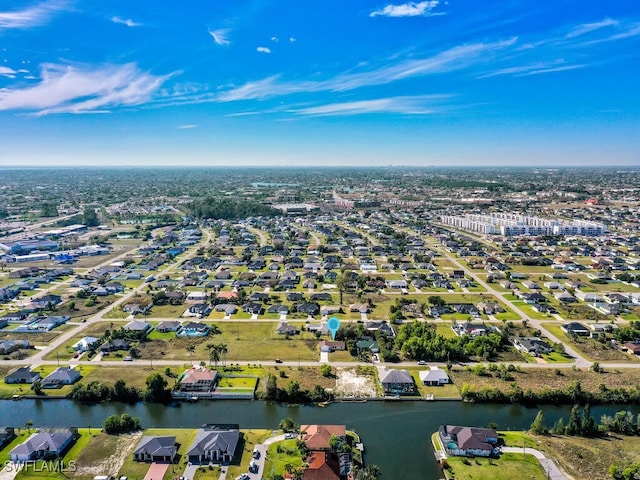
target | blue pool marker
x=333, y=325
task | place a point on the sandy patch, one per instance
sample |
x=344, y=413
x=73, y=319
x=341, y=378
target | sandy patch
x=118, y=449
x=351, y=385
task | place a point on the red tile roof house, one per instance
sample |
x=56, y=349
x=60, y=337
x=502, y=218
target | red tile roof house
x=317, y=436
x=321, y=466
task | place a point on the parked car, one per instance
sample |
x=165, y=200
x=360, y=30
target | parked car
x=278, y=360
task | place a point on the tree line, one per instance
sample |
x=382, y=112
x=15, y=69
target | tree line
x=572, y=394
x=230, y=209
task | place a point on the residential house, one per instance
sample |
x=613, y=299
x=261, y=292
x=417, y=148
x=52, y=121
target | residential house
x=10, y=346
x=284, y=328
x=140, y=327
x=168, y=326
x=565, y=297
x=332, y=346
x=197, y=296
x=43, y=445
x=532, y=345
x=321, y=466
x=199, y=310
x=227, y=308
x=47, y=301
x=294, y=296
x=278, y=308
x=215, y=444
x=60, y=377
x=468, y=441
x=152, y=448
x=471, y=329
x=198, y=380
x=320, y=297
x=575, y=328
x=253, y=308
x=367, y=344
x=380, y=326
x=359, y=307
x=330, y=310
x=434, y=377
x=308, y=308
x=396, y=381
x=317, y=437
x=490, y=308
x=114, y=345
x=22, y=375
x=397, y=284
x=85, y=344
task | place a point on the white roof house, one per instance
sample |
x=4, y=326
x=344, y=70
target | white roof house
x=434, y=376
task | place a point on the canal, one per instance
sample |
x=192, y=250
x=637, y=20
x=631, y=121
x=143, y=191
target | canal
x=396, y=434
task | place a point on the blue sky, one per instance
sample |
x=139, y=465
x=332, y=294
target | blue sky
x=291, y=82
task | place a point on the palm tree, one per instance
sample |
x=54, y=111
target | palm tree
x=223, y=351
x=191, y=349
x=209, y=347
x=214, y=354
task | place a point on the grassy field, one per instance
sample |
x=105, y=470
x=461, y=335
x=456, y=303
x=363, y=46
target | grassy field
x=590, y=458
x=280, y=454
x=509, y=465
x=539, y=379
x=245, y=341
x=591, y=348
x=444, y=391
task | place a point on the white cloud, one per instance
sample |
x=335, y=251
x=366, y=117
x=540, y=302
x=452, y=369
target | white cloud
x=263, y=49
x=590, y=27
x=411, y=105
x=125, y=21
x=552, y=70
x=7, y=72
x=186, y=127
x=409, y=9
x=32, y=16
x=274, y=39
x=220, y=36
x=456, y=58
x=84, y=89
x=292, y=39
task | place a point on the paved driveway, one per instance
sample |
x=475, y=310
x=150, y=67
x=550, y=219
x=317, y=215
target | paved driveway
x=9, y=472
x=156, y=471
x=258, y=474
x=190, y=471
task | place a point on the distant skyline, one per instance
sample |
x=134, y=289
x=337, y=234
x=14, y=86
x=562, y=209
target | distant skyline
x=276, y=83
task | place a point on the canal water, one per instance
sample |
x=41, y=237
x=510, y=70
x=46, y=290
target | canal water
x=396, y=434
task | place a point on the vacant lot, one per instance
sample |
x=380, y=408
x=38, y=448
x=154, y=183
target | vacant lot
x=540, y=379
x=509, y=465
x=586, y=458
x=592, y=348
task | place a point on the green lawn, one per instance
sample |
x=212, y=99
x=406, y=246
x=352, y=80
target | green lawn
x=555, y=357
x=509, y=465
x=280, y=454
